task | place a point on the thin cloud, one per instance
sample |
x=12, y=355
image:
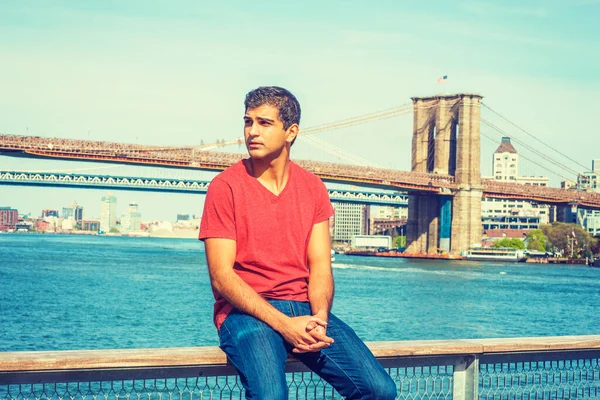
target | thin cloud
x=487, y=9
x=356, y=37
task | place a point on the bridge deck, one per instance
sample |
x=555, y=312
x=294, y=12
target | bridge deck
x=189, y=157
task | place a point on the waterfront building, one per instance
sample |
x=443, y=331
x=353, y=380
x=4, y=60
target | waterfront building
x=92, y=225
x=49, y=213
x=493, y=235
x=516, y=222
x=183, y=217
x=74, y=211
x=9, y=217
x=23, y=226
x=592, y=222
x=131, y=221
x=41, y=225
x=68, y=224
x=186, y=221
x=387, y=219
x=589, y=220
x=350, y=219
x=108, y=213
x=77, y=212
x=54, y=223
x=491, y=207
x=67, y=212
x=388, y=213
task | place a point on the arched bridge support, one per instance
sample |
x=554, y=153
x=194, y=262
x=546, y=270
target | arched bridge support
x=446, y=140
x=429, y=224
x=423, y=224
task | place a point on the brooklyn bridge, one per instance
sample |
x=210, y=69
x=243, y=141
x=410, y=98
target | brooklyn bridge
x=444, y=185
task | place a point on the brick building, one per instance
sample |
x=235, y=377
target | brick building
x=8, y=218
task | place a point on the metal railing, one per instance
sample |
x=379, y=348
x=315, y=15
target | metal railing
x=491, y=369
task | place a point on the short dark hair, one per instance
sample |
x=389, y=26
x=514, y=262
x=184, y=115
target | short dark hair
x=286, y=103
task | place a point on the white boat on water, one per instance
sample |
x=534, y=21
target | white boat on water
x=332, y=256
x=495, y=254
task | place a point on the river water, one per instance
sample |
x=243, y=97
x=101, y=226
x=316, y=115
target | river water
x=60, y=292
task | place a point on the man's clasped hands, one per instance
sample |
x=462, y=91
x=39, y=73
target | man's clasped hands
x=307, y=333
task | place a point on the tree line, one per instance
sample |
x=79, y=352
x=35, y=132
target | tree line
x=558, y=237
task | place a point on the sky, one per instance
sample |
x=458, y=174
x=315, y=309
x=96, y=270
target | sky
x=157, y=72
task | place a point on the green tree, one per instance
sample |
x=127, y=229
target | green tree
x=114, y=230
x=561, y=236
x=514, y=243
x=400, y=242
x=536, y=240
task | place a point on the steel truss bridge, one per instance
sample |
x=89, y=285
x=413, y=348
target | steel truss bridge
x=172, y=185
x=192, y=158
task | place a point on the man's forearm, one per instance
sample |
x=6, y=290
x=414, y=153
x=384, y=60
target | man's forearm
x=320, y=293
x=241, y=296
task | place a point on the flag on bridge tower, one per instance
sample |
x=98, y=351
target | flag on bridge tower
x=442, y=79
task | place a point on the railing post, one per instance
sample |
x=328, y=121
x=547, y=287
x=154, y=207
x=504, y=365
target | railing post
x=465, y=378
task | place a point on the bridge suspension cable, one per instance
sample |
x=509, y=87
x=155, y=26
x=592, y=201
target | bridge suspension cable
x=533, y=136
x=336, y=151
x=361, y=119
x=530, y=148
x=526, y=158
x=385, y=114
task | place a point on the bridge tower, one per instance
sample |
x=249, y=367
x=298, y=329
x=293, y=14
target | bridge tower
x=446, y=140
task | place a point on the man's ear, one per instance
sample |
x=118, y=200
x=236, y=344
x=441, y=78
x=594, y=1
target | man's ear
x=292, y=132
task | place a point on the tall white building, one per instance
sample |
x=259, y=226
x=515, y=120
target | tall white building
x=131, y=221
x=506, y=161
x=506, y=169
x=350, y=219
x=108, y=213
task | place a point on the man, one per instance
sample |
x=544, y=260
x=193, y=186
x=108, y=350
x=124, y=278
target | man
x=265, y=227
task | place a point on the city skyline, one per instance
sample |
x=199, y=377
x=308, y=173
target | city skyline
x=161, y=73
x=94, y=211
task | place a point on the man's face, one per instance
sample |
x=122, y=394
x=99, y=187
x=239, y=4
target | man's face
x=264, y=133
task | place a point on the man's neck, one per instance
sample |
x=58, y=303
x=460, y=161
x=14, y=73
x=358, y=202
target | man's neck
x=272, y=174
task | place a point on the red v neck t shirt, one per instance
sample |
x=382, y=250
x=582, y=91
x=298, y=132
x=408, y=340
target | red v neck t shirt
x=271, y=231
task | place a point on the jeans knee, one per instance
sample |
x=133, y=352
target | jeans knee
x=267, y=390
x=382, y=389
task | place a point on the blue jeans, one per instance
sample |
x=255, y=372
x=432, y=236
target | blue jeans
x=259, y=354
